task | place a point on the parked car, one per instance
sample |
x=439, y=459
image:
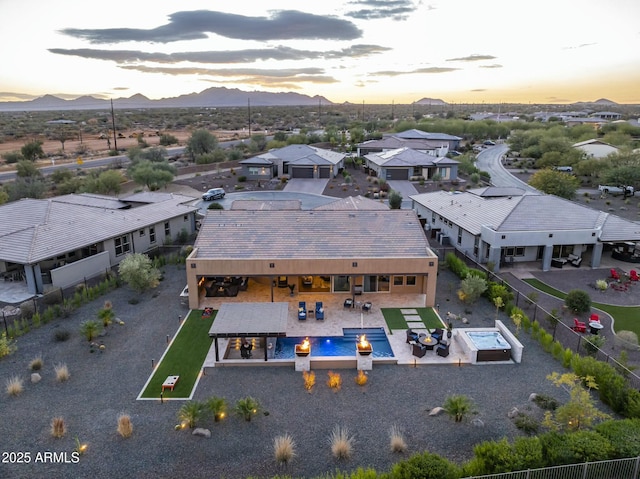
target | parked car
x=489, y=143
x=214, y=194
x=566, y=169
x=617, y=190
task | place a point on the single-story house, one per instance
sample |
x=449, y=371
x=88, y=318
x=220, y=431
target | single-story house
x=508, y=229
x=596, y=148
x=438, y=144
x=295, y=161
x=60, y=241
x=405, y=164
x=354, y=252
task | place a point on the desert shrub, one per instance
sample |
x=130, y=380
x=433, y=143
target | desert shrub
x=58, y=427
x=138, y=272
x=309, y=378
x=341, y=443
x=217, y=406
x=567, y=356
x=527, y=453
x=284, y=449
x=425, y=466
x=478, y=273
x=27, y=309
x=628, y=339
x=471, y=288
x=545, y=402
x=7, y=345
x=527, y=424
x=578, y=301
x=125, y=428
x=490, y=457
x=14, y=386
x=546, y=340
x=588, y=446
x=456, y=265
x=592, y=343
x=90, y=329
x=61, y=335
x=396, y=440
x=496, y=290
x=624, y=436
x=36, y=363
x=242, y=179
x=62, y=372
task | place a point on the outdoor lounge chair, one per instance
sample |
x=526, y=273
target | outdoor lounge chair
x=411, y=336
x=302, y=310
x=348, y=303
x=366, y=307
x=579, y=326
x=594, y=318
x=614, y=274
x=633, y=275
x=319, y=310
x=438, y=333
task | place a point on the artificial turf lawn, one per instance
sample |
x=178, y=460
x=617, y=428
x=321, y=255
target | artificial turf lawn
x=625, y=317
x=395, y=319
x=184, y=358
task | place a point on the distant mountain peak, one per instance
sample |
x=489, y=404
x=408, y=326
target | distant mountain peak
x=431, y=101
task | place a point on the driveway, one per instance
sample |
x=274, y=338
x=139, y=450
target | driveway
x=306, y=185
x=405, y=188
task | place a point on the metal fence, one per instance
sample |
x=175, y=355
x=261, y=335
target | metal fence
x=613, y=469
x=560, y=331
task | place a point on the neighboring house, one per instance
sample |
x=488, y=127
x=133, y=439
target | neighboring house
x=370, y=251
x=521, y=228
x=596, y=148
x=437, y=144
x=294, y=161
x=60, y=241
x=607, y=115
x=405, y=164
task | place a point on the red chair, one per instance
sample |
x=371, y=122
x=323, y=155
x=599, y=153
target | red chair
x=579, y=326
x=614, y=274
x=594, y=318
x=633, y=275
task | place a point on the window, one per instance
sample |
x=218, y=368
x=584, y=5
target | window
x=411, y=280
x=152, y=234
x=122, y=245
x=476, y=246
x=342, y=283
x=519, y=250
x=398, y=280
x=142, y=233
x=167, y=229
x=383, y=283
x=459, y=235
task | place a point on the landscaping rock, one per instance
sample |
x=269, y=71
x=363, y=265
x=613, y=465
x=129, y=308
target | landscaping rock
x=35, y=378
x=513, y=413
x=200, y=431
x=436, y=411
x=477, y=422
x=533, y=397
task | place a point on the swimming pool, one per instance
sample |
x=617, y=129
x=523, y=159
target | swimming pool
x=337, y=345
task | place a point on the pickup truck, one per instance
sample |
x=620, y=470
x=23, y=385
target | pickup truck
x=617, y=190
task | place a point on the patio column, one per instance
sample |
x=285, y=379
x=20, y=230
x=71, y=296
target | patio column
x=596, y=255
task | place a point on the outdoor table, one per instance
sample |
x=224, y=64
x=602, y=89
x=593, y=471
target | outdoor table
x=428, y=341
x=595, y=327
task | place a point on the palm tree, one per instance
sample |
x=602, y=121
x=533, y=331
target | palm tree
x=90, y=329
x=217, y=406
x=190, y=413
x=247, y=407
x=458, y=406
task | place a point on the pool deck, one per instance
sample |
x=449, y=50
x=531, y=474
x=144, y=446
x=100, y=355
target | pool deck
x=337, y=317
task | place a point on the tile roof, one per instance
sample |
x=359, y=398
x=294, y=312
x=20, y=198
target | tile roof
x=262, y=205
x=34, y=230
x=354, y=203
x=311, y=234
x=292, y=153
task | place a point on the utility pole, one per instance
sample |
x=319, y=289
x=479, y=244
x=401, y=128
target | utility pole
x=113, y=123
x=249, y=112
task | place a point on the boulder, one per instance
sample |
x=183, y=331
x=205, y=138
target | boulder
x=200, y=431
x=513, y=413
x=533, y=397
x=436, y=411
x=35, y=378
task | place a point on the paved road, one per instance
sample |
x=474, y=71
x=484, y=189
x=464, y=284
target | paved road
x=489, y=160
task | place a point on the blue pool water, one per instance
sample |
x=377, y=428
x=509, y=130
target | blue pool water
x=337, y=345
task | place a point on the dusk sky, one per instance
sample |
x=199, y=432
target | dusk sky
x=373, y=51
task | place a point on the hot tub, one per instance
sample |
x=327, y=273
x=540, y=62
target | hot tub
x=490, y=345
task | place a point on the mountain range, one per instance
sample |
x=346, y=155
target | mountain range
x=211, y=97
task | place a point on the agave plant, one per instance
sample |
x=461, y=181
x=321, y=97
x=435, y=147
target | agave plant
x=247, y=407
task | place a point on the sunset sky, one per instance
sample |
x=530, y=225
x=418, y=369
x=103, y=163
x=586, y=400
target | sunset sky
x=374, y=51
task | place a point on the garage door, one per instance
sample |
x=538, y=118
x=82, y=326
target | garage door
x=302, y=173
x=398, y=174
x=325, y=172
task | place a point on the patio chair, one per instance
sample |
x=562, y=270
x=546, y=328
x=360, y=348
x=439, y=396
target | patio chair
x=594, y=318
x=437, y=333
x=302, y=310
x=411, y=336
x=348, y=303
x=319, y=310
x=419, y=350
x=443, y=350
x=366, y=307
x=579, y=326
x=614, y=274
x=633, y=275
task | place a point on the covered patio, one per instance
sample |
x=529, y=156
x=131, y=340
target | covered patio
x=265, y=321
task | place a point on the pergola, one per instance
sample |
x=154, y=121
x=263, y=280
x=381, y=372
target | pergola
x=249, y=320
